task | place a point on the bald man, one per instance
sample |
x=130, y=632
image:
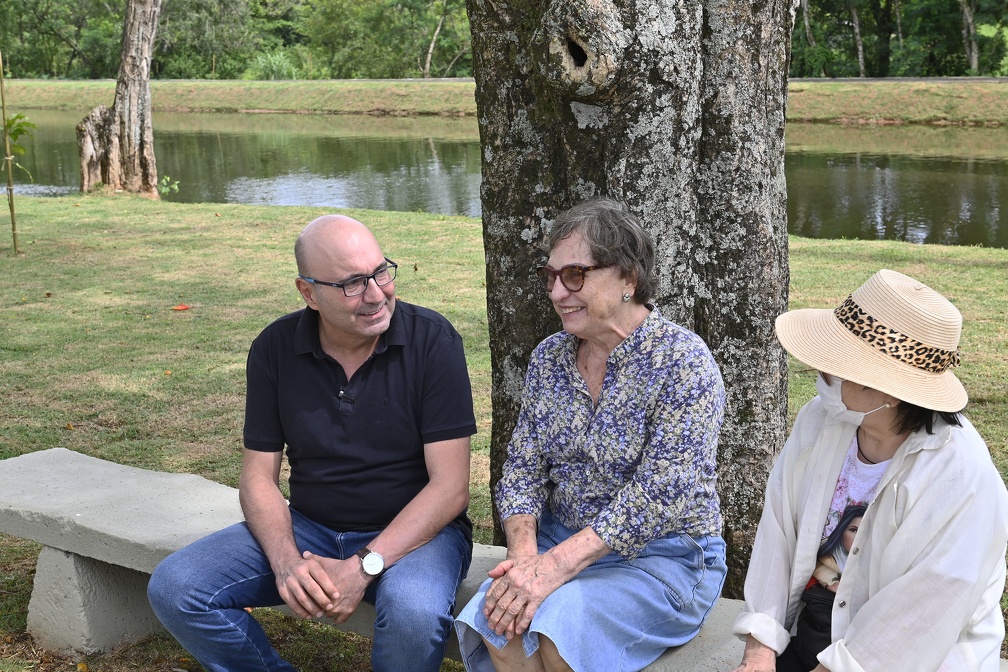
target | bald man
x=371, y=398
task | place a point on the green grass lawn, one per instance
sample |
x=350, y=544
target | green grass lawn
x=94, y=357
x=947, y=101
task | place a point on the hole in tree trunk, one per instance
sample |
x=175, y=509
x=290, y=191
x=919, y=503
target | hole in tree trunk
x=577, y=53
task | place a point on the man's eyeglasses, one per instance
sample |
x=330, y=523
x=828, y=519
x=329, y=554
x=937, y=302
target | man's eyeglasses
x=357, y=285
x=572, y=276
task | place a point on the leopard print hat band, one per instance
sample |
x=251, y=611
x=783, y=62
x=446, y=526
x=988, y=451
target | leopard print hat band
x=893, y=343
x=893, y=334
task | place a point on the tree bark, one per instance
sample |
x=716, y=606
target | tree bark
x=677, y=109
x=858, y=42
x=430, y=48
x=882, y=12
x=899, y=22
x=969, y=37
x=116, y=146
x=808, y=24
x=809, y=37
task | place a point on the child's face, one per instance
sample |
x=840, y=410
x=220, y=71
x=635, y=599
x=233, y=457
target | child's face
x=848, y=534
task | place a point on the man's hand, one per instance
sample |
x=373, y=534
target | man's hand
x=352, y=582
x=306, y=588
x=520, y=585
x=757, y=657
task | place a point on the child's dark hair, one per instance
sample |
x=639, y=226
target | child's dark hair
x=836, y=536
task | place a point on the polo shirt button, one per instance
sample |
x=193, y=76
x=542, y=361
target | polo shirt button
x=855, y=551
x=843, y=604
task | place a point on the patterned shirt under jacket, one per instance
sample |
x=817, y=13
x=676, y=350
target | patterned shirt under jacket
x=639, y=466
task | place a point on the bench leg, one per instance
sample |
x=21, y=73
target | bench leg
x=82, y=604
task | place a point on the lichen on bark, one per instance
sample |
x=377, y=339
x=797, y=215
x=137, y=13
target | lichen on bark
x=676, y=108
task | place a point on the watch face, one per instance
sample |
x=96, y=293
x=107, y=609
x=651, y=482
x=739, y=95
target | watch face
x=373, y=564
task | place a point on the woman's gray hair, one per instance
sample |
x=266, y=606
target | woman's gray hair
x=615, y=238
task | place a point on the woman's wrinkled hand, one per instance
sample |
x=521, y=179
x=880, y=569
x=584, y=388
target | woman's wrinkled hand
x=757, y=657
x=520, y=585
x=759, y=666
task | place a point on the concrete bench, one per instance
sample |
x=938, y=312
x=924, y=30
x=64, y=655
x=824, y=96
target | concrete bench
x=104, y=527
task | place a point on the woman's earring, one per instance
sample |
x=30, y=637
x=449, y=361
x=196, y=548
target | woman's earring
x=626, y=297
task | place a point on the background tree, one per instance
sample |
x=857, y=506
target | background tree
x=390, y=38
x=677, y=109
x=856, y=32
x=117, y=145
x=884, y=20
x=931, y=37
x=273, y=39
x=59, y=38
x=200, y=39
x=969, y=34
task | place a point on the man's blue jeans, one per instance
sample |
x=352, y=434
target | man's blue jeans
x=200, y=593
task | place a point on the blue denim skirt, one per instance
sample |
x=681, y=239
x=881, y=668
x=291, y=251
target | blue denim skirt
x=617, y=614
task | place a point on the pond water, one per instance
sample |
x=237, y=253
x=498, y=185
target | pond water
x=923, y=185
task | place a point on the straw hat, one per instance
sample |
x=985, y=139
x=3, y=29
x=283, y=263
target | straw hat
x=893, y=334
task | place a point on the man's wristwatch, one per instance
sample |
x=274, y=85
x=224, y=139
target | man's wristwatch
x=372, y=564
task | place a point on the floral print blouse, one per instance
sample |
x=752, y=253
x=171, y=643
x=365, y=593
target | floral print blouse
x=639, y=466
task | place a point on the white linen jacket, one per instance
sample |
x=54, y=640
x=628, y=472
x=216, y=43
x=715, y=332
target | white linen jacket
x=923, y=582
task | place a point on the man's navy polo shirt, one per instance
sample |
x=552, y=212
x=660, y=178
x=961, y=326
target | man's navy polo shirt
x=356, y=447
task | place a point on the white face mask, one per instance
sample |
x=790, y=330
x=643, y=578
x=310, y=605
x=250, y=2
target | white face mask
x=833, y=401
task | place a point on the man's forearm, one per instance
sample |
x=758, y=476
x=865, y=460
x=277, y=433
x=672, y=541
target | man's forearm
x=268, y=517
x=420, y=521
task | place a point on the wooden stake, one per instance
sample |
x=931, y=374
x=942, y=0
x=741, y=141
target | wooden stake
x=9, y=159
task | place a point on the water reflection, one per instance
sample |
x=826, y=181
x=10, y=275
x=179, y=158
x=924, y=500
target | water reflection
x=430, y=165
x=403, y=174
x=919, y=184
x=915, y=199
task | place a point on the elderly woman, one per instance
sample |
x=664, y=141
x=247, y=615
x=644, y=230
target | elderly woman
x=608, y=493
x=924, y=576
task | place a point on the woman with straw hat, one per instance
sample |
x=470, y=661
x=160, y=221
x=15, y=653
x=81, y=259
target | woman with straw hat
x=924, y=577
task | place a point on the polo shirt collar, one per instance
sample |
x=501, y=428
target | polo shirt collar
x=307, y=341
x=395, y=334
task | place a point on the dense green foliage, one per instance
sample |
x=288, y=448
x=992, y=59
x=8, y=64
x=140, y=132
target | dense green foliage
x=252, y=39
x=322, y=39
x=900, y=38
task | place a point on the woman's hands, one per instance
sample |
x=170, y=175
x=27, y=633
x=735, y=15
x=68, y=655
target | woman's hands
x=525, y=578
x=757, y=657
x=520, y=585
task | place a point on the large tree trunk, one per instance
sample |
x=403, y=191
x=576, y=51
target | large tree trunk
x=676, y=108
x=116, y=145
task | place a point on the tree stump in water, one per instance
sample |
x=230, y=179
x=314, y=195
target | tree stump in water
x=116, y=145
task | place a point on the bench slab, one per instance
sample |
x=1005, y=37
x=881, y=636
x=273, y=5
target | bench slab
x=105, y=527
x=121, y=515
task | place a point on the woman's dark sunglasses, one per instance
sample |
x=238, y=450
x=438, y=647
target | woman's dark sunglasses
x=571, y=276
